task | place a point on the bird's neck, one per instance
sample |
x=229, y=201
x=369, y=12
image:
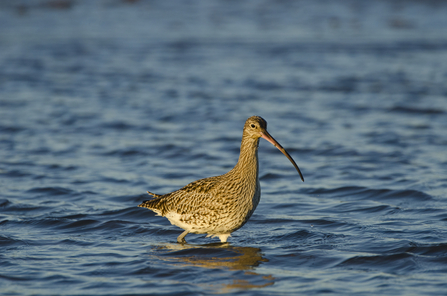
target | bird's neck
x=247, y=165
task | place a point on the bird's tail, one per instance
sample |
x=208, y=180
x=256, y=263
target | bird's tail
x=156, y=204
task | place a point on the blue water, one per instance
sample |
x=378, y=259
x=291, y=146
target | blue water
x=103, y=100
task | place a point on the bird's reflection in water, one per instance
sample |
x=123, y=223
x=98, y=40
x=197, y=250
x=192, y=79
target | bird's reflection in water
x=220, y=256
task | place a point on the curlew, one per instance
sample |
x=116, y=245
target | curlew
x=222, y=204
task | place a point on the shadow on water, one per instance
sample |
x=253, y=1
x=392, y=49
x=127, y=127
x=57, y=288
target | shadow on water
x=214, y=256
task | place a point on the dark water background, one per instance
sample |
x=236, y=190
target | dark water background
x=103, y=100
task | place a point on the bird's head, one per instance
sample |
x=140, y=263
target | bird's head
x=256, y=127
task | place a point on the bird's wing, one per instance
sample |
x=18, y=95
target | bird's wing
x=195, y=194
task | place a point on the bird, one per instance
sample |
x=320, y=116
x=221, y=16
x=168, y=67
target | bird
x=220, y=205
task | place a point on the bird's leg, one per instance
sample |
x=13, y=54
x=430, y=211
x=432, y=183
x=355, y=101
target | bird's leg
x=224, y=237
x=181, y=237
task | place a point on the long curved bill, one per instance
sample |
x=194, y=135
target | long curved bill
x=266, y=135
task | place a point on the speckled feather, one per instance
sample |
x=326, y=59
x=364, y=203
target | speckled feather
x=222, y=204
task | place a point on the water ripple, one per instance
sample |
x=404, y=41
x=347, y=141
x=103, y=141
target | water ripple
x=143, y=95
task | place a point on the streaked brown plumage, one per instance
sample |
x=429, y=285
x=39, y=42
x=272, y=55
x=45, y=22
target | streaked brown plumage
x=222, y=204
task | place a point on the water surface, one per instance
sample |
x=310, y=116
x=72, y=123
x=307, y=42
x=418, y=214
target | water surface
x=103, y=100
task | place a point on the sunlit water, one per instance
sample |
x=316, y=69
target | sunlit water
x=103, y=100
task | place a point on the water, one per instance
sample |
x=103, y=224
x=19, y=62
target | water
x=103, y=100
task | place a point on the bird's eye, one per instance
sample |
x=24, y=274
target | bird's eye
x=253, y=126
